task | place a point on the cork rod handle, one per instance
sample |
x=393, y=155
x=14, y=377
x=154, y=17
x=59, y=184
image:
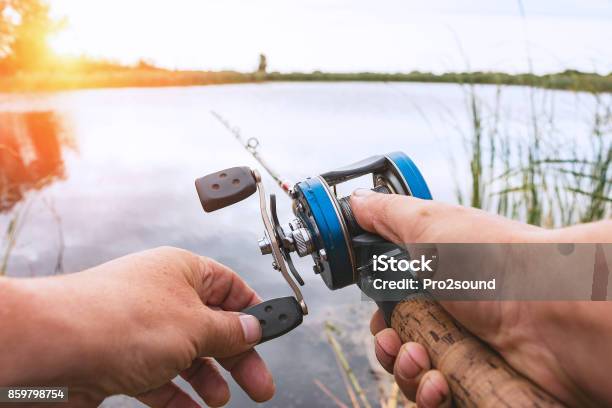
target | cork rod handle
x=477, y=375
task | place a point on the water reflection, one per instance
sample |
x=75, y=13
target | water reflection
x=31, y=146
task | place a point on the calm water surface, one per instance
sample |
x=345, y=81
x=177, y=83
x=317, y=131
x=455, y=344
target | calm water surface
x=104, y=173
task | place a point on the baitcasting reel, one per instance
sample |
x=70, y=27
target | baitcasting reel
x=324, y=227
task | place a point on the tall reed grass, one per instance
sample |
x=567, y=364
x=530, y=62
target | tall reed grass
x=538, y=177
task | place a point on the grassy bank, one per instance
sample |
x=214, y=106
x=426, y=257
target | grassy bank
x=136, y=77
x=56, y=81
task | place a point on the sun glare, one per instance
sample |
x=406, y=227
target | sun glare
x=64, y=44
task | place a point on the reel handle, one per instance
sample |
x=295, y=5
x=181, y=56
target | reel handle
x=477, y=375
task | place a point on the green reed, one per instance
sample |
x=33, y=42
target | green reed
x=538, y=177
x=9, y=240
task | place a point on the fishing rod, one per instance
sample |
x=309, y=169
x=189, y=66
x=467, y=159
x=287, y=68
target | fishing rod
x=251, y=145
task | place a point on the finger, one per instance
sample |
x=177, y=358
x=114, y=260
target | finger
x=221, y=286
x=395, y=217
x=251, y=373
x=168, y=395
x=377, y=323
x=406, y=219
x=411, y=364
x=433, y=391
x=387, y=345
x=224, y=334
x=205, y=379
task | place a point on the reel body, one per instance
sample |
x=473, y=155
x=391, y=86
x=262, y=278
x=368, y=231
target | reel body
x=330, y=222
x=324, y=227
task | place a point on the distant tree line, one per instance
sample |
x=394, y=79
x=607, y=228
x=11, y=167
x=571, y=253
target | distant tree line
x=566, y=80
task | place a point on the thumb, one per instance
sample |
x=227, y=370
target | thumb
x=397, y=218
x=228, y=333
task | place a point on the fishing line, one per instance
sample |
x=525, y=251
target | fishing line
x=251, y=145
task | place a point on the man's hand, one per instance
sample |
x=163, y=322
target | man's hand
x=130, y=326
x=565, y=347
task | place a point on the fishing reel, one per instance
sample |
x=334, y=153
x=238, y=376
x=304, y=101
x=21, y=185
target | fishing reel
x=324, y=227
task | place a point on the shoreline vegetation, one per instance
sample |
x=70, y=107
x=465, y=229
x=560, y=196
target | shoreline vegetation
x=145, y=75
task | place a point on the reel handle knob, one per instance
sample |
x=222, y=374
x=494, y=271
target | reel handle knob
x=276, y=316
x=225, y=187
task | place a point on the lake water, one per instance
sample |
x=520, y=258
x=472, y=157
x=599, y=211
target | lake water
x=103, y=173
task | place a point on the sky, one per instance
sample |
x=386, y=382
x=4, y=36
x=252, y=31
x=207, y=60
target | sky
x=343, y=35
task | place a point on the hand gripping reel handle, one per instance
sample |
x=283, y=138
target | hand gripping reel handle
x=226, y=187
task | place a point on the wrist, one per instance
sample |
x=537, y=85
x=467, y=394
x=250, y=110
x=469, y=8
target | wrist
x=38, y=343
x=530, y=234
x=14, y=336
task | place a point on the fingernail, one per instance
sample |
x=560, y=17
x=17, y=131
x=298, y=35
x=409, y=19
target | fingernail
x=430, y=395
x=250, y=328
x=362, y=192
x=408, y=368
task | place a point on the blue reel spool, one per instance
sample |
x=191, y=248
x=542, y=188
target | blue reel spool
x=323, y=214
